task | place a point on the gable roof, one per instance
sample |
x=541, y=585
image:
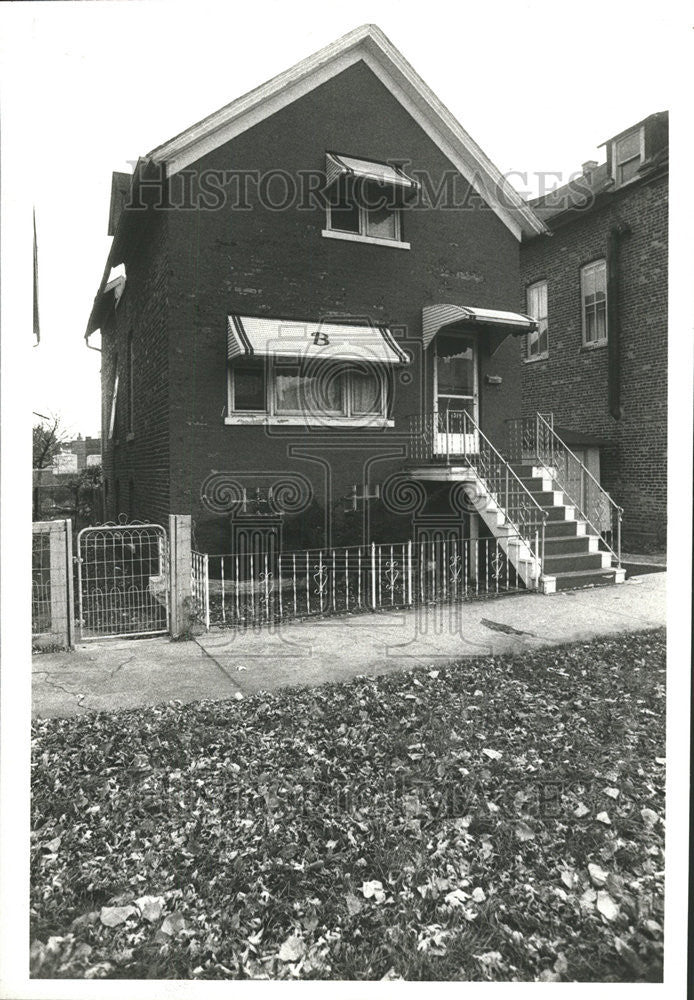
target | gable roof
x=367, y=44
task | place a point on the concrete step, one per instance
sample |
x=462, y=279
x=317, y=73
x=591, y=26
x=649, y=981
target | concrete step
x=588, y=578
x=523, y=471
x=561, y=512
x=549, y=499
x=535, y=484
x=564, y=529
x=573, y=561
x=569, y=543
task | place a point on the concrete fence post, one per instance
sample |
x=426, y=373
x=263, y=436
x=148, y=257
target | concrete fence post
x=52, y=586
x=180, y=562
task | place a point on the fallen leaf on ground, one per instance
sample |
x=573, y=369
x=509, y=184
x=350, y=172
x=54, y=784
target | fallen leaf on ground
x=373, y=889
x=598, y=876
x=112, y=916
x=292, y=949
x=173, y=924
x=606, y=905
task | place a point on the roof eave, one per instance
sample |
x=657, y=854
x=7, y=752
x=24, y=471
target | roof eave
x=367, y=43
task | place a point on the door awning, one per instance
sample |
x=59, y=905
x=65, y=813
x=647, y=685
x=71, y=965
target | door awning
x=434, y=318
x=338, y=165
x=260, y=337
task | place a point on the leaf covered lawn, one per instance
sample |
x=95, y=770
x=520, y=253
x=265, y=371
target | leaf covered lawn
x=496, y=819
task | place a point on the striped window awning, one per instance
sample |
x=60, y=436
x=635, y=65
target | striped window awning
x=338, y=165
x=434, y=318
x=260, y=337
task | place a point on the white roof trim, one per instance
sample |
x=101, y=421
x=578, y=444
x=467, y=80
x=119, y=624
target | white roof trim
x=370, y=45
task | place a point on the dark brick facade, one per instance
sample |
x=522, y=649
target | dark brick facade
x=188, y=270
x=136, y=466
x=573, y=382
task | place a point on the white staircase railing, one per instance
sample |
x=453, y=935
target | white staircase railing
x=456, y=435
x=533, y=441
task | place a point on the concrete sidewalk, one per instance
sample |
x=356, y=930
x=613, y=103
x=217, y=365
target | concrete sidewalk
x=107, y=676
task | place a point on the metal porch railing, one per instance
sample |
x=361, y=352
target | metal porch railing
x=443, y=437
x=533, y=441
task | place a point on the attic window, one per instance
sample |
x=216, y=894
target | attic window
x=627, y=155
x=365, y=200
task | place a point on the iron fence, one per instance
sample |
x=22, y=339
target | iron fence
x=236, y=590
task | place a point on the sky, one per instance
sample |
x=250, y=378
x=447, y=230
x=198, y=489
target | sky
x=538, y=85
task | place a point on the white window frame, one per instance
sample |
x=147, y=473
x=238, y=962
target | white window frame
x=230, y=391
x=271, y=415
x=641, y=155
x=114, y=401
x=537, y=355
x=601, y=263
x=363, y=235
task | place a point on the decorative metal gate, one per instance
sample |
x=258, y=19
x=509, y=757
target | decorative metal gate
x=122, y=580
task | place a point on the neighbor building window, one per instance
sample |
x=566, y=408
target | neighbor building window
x=537, y=342
x=594, y=303
x=627, y=153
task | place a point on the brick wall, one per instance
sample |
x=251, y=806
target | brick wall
x=277, y=263
x=143, y=457
x=573, y=381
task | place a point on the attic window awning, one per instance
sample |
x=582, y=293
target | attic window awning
x=260, y=337
x=434, y=318
x=338, y=166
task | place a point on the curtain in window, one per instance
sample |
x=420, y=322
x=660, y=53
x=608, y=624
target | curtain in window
x=366, y=392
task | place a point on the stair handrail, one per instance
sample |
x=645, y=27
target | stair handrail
x=427, y=426
x=619, y=511
x=539, y=540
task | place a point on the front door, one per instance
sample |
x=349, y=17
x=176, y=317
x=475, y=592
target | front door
x=456, y=394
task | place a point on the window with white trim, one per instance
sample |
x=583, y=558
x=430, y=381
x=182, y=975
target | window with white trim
x=594, y=303
x=537, y=342
x=367, y=210
x=286, y=387
x=627, y=155
x=114, y=402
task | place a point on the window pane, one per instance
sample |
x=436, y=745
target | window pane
x=627, y=171
x=543, y=338
x=287, y=391
x=249, y=388
x=317, y=393
x=382, y=223
x=533, y=348
x=366, y=392
x=600, y=322
x=455, y=366
x=629, y=146
x=321, y=391
x=590, y=325
x=344, y=215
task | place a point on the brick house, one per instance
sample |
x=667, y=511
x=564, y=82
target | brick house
x=315, y=320
x=598, y=285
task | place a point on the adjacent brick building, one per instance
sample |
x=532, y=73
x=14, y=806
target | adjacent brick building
x=245, y=233
x=599, y=284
